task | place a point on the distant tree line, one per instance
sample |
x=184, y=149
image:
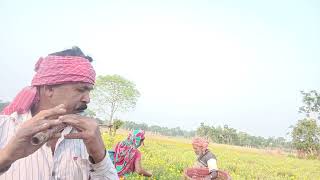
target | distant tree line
x=129, y=125
x=228, y=135
x=221, y=135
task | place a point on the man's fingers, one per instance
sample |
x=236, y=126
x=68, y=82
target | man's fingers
x=76, y=123
x=55, y=136
x=79, y=135
x=56, y=111
x=45, y=125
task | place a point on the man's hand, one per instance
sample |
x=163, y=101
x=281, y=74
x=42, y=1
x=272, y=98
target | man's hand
x=213, y=174
x=20, y=145
x=89, y=132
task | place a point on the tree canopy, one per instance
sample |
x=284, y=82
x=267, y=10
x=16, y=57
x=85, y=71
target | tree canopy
x=306, y=133
x=113, y=93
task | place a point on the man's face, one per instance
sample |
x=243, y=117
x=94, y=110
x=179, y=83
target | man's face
x=75, y=96
x=197, y=149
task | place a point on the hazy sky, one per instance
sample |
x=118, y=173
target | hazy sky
x=240, y=63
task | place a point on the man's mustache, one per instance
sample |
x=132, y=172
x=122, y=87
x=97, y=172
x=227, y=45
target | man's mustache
x=82, y=107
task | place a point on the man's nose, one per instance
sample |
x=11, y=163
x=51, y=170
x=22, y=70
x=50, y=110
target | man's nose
x=86, y=98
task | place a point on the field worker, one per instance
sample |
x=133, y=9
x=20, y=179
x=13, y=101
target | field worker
x=127, y=157
x=59, y=90
x=205, y=158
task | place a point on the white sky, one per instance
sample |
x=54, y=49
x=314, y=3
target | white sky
x=241, y=64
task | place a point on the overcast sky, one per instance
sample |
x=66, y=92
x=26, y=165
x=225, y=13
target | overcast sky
x=241, y=63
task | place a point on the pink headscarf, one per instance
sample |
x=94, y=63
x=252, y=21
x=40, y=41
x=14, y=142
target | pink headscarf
x=200, y=142
x=51, y=70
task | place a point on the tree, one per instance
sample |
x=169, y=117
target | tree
x=113, y=93
x=306, y=136
x=204, y=130
x=311, y=102
x=306, y=133
x=243, y=139
x=117, y=123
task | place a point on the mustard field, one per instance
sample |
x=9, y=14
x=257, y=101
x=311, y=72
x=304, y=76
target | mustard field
x=167, y=157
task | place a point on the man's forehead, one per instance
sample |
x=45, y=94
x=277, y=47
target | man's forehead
x=84, y=85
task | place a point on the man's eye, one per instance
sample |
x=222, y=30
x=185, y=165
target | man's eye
x=81, y=90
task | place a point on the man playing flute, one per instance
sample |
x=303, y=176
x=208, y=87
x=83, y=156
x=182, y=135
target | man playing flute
x=58, y=92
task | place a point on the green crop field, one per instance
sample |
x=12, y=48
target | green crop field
x=167, y=157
